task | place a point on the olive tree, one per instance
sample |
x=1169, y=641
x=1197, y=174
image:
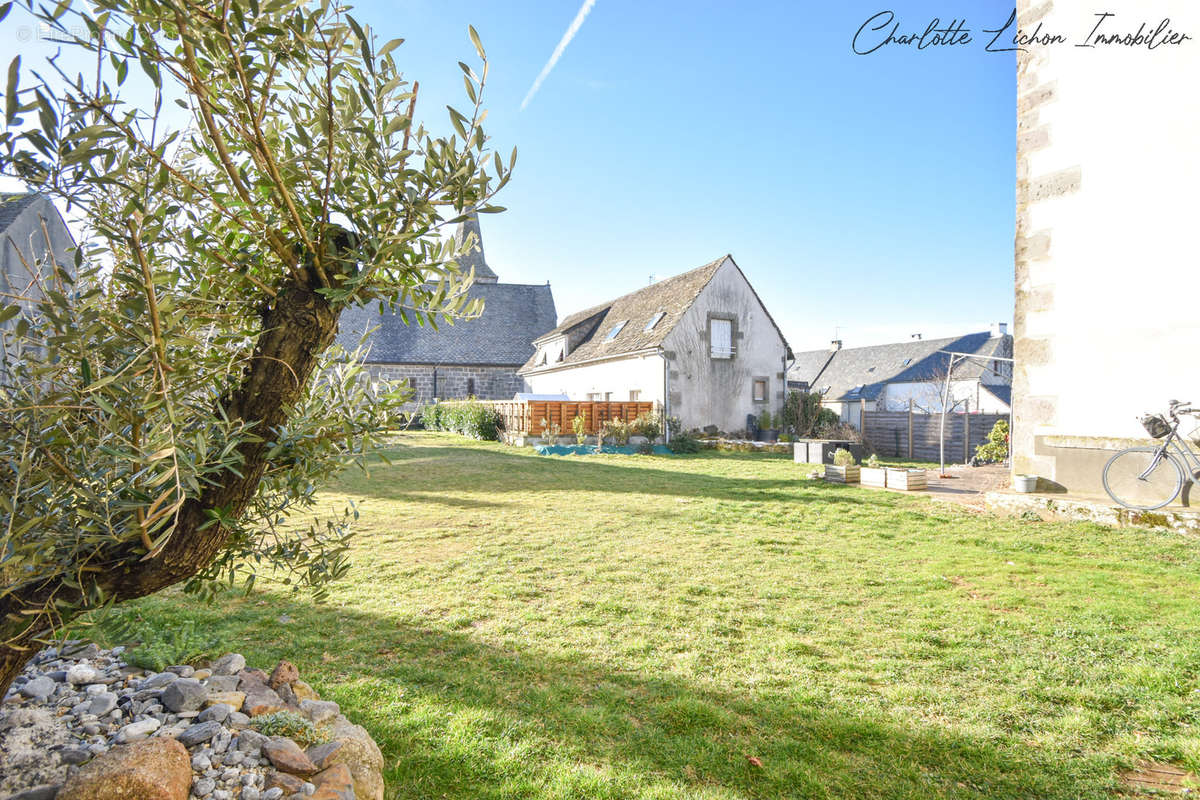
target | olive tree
x=173, y=401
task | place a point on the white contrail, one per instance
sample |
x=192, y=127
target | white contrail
x=558, y=51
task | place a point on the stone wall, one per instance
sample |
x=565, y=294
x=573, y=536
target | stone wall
x=1102, y=233
x=451, y=382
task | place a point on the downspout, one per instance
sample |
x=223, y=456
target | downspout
x=666, y=396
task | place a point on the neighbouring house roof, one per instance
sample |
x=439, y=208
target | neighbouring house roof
x=525, y=397
x=1001, y=391
x=860, y=373
x=672, y=297
x=513, y=316
x=637, y=321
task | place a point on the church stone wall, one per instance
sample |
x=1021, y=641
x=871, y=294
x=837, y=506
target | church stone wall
x=451, y=382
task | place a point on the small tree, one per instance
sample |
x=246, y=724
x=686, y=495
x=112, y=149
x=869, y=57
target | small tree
x=995, y=449
x=185, y=399
x=579, y=425
x=801, y=413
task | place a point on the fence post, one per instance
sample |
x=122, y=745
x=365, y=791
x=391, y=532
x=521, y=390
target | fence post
x=862, y=419
x=910, y=426
x=967, y=432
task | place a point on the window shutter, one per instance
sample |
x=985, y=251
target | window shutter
x=721, y=331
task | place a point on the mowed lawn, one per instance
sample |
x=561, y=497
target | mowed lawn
x=716, y=626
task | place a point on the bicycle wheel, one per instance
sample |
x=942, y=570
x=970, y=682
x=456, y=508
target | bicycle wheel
x=1143, y=478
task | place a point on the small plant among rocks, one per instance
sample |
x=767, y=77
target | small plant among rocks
x=158, y=648
x=292, y=726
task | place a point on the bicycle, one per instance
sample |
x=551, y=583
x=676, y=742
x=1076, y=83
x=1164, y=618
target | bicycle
x=1146, y=478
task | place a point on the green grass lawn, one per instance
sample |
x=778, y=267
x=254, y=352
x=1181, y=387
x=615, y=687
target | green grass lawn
x=714, y=626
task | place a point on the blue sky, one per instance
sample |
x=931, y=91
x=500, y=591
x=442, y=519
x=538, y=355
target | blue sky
x=871, y=195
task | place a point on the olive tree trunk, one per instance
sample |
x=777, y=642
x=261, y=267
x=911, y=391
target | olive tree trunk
x=297, y=327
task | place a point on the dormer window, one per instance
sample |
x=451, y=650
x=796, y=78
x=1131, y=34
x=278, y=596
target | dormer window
x=615, y=330
x=654, y=321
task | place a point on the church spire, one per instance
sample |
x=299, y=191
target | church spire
x=475, y=258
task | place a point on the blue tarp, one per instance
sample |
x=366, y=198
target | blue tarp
x=589, y=449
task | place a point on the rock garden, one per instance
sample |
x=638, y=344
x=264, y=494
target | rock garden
x=82, y=724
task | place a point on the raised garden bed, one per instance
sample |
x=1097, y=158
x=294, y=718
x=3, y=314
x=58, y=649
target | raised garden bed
x=835, y=474
x=873, y=476
x=906, y=479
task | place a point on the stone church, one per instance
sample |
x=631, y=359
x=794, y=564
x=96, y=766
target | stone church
x=471, y=358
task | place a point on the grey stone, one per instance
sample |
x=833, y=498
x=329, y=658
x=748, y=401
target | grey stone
x=159, y=680
x=47, y=791
x=251, y=741
x=135, y=731
x=229, y=664
x=182, y=670
x=200, y=762
x=102, y=704
x=74, y=755
x=93, y=689
x=320, y=710
x=185, y=694
x=237, y=720
x=39, y=688
x=82, y=673
x=250, y=793
x=274, y=793
x=204, y=787
x=200, y=732
x=217, y=713
x=59, y=675
x=223, y=683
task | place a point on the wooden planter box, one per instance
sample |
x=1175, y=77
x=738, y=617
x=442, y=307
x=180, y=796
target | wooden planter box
x=873, y=476
x=906, y=479
x=841, y=474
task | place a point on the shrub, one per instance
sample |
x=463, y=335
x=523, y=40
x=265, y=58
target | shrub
x=579, y=425
x=431, y=417
x=839, y=431
x=616, y=429
x=843, y=458
x=785, y=437
x=292, y=726
x=996, y=446
x=764, y=420
x=470, y=418
x=802, y=414
x=551, y=430
x=872, y=462
x=684, y=443
x=648, y=425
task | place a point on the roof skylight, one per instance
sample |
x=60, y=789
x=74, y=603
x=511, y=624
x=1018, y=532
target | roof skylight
x=654, y=321
x=615, y=330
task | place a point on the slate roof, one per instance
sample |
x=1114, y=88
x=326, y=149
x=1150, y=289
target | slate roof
x=11, y=206
x=860, y=373
x=21, y=221
x=1002, y=392
x=475, y=259
x=673, y=297
x=513, y=316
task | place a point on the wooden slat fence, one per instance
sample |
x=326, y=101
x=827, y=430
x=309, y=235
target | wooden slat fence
x=526, y=417
x=902, y=434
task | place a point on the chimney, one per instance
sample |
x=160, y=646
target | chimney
x=836, y=344
x=999, y=329
x=915, y=336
